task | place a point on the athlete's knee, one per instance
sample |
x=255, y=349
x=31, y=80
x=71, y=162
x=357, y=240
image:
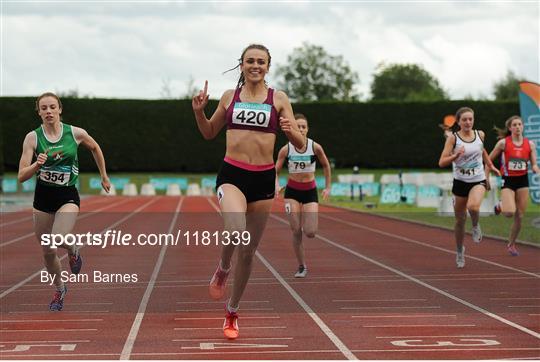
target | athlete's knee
x=461, y=217
x=297, y=231
x=235, y=224
x=310, y=232
x=508, y=214
x=474, y=208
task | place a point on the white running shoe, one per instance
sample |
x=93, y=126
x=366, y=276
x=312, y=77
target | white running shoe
x=477, y=233
x=302, y=272
x=460, y=258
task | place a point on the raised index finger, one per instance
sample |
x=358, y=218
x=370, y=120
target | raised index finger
x=205, y=91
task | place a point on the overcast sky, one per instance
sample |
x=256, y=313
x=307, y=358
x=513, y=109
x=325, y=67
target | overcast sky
x=130, y=49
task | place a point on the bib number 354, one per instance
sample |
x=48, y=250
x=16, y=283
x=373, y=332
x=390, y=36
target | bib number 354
x=58, y=178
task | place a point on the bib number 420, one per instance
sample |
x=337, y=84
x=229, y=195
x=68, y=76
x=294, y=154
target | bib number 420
x=252, y=118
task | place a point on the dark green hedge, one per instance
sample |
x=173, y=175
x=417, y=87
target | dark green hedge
x=161, y=135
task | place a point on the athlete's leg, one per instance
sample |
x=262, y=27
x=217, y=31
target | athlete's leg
x=43, y=224
x=233, y=205
x=460, y=212
x=310, y=219
x=257, y=216
x=476, y=196
x=508, y=202
x=294, y=212
x=64, y=222
x=522, y=198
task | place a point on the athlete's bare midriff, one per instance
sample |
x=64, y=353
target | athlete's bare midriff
x=252, y=147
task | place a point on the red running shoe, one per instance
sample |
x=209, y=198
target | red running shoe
x=230, y=326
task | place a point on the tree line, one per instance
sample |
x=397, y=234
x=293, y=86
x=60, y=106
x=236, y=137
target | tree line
x=311, y=74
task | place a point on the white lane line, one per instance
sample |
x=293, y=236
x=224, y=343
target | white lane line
x=419, y=307
x=134, y=331
x=512, y=298
x=472, y=349
x=219, y=353
x=26, y=218
x=407, y=316
x=221, y=339
x=160, y=354
x=140, y=285
x=220, y=328
x=453, y=252
x=324, y=328
x=534, y=314
x=418, y=325
x=519, y=358
x=221, y=318
x=49, y=320
x=97, y=303
x=30, y=277
x=378, y=300
x=63, y=312
x=49, y=330
x=90, y=213
x=221, y=310
x=239, y=345
x=61, y=341
x=523, y=306
x=221, y=303
x=329, y=333
x=447, y=336
x=426, y=285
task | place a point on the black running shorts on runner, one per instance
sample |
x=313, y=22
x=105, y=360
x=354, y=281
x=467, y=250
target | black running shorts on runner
x=255, y=185
x=51, y=198
x=515, y=182
x=302, y=196
x=462, y=189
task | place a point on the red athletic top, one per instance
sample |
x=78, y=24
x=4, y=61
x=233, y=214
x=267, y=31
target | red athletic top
x=514, y=158
x=262, y=117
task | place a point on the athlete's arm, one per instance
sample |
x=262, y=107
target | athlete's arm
x=210, y=127
x=287, y=121
x=489, y=166
x=497, y=150
x=27, y=169
x=82, y=137
x=447, y=157
x=319, y=152
x=282, y=154
x=534, y=160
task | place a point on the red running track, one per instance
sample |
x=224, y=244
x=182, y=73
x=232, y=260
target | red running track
x=376, y=289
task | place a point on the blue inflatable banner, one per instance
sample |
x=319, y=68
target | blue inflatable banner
x=529, y=103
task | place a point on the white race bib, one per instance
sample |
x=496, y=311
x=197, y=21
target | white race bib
x=300, y=164
x=251, y=114
x=54, y=177
x=467, y=171
x=517, y=164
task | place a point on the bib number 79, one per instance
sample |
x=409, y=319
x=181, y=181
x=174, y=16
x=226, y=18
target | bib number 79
x=299, y=165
